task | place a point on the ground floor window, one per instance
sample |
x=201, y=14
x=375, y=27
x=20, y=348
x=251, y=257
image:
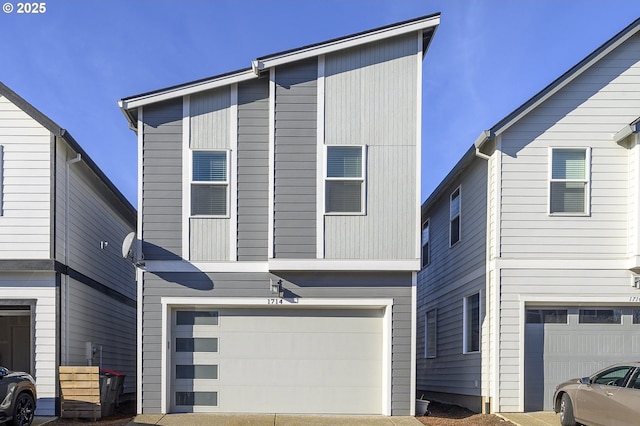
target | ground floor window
x=472, y=323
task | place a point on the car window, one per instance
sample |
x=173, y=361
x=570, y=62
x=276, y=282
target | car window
x=635, y=380
x=612, y=377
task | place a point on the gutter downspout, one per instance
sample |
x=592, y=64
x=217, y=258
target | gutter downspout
x=66, y=256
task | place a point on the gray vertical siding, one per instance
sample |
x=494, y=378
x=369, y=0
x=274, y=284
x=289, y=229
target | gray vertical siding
x=295, y=161
x=303, y=284
x=253, y=170
x=162, y=181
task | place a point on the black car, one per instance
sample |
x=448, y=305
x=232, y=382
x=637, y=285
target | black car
x=18, y=397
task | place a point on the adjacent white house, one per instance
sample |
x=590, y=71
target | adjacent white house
x=277, y=276
x=67, y=297
x=531, y=245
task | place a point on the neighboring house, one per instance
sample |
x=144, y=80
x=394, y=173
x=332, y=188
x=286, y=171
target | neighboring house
x=67, y=297
x=278, y=225
x=531, y=245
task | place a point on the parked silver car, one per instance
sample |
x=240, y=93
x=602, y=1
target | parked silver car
x=18, y=393
x=610, y=397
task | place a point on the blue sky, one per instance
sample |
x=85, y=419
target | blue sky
x=76, y=60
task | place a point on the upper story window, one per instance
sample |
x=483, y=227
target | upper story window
x=569, y=181
x=209, y=183
x=345, y=180
x=454, y=217
x=425, y=243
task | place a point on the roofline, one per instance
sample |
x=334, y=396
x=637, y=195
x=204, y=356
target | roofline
x=400, y=28
x=265, y=62
x=58, y=131
x=561, y=81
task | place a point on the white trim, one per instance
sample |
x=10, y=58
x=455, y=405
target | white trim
x=492, y=277
x=139, y=274
x=186, y=177
x=409, y=265
x=241, y=302
x=418, y=172
x=184, y=266
x=233, y=174
x=321, y=166
x=414, y=332
x=362, y=178
x=272, y=144
x=346, y=43
x=586, y=181
x=192, y=88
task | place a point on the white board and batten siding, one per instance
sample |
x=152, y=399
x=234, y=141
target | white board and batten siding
x=209, y=123
x=25, y=148
x=38, y=290
x=584, y=114
x=364, y=87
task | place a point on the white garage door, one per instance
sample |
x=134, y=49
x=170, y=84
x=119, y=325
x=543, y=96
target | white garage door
x=564, y=343
x=279, y=360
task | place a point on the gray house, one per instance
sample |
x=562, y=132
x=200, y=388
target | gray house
x=67, y=297
x=278, y=227
x=531, y=245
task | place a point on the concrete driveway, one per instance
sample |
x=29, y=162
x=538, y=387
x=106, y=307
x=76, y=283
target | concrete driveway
x=269, y=420
x=537, y=418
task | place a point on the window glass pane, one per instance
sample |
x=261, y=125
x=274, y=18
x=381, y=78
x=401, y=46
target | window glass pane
x=343, y=196
x=455, y=204
x=197, y=318
x=455, y=230
x=568, y=197
x=209, y=166
x=196, y=371
x=636, y=316
x=344, y=161
x=546, y=316
x=209, y=399
x=614, y=377
x=209, y=200
x=569, y=164
x=473, y=323
x=202, y=344
x=600, y=316
x=430, y=337
x=425, y=244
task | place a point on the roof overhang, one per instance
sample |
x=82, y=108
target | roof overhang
x=620, y=136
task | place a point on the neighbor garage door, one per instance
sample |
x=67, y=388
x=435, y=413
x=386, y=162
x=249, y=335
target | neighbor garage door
x=280, y=360
x=563, y=343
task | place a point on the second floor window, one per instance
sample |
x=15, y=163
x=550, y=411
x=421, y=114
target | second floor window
x=209, y=183
x=345, y=179
x=425, y=243
x=569, y=181
x=454, y=217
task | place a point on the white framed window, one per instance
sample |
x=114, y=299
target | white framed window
x=345, y=179
x=569, y=183
x=454, y=217
x=210, y=183
x=425, y=244
x=471, y=323
x=430, y=333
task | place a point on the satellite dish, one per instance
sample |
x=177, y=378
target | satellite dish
x=127, y=251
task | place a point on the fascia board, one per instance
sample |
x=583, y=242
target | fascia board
x=127, y=104
x=297, y=55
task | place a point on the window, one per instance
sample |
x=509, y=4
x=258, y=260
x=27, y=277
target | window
x=345, y=182
x=569, y=182
x=636, y=316
x=472, y=323
x=430, y=334
x=613, y=377
x=454, y=217
x=546, y=316
x=600, y=316
x=425, y=243
x=209, y=183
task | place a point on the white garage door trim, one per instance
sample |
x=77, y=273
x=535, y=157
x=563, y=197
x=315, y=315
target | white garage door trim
x=169, y=303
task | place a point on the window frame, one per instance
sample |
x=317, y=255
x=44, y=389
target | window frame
x=429, y=352
x=226, y=184
x=425, y=262
x=362, y=179
x=586, y=180
x=456, y=216
x=466, y=332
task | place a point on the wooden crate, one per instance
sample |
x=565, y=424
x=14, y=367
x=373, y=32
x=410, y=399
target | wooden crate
x=80, y=392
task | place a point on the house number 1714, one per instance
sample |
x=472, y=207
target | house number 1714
x=274, y=301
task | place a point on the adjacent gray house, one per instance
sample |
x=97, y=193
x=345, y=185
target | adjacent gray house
x=531, y=245
x=67, y=297
x=279, y=209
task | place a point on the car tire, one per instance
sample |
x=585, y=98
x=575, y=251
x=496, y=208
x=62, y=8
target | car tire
x=23, y=410
x=566, y=411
